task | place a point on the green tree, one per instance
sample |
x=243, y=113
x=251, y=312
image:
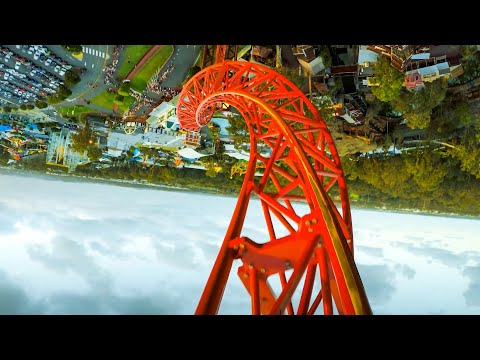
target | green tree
x=470, y=62
x=211, y=172
x=118, y=99
x=71, y=78
x=374, y=108
x=427, y=168
x=63, y=92
x=30, y=107
x=124, y=89
x=468, y=153
x=296, y=77
x=7, y=109
x=75, y=49
x=53, y=99
x=324, y=104
x=416, y=106
x=93, y=152
x=41, y=104
x=214, y=131
x=83, y=139
x=388, y=80
x=419, y=119
x=23, y=107
x=463, y=112
x=238, y=130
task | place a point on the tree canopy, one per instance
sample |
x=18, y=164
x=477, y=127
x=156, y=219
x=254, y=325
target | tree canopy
x=238, y=130
x=85, y=139
x=41, y=104
x=75, y=49
x=416, y=106
x=71, y=78
x=124, y=89
x=388, y=80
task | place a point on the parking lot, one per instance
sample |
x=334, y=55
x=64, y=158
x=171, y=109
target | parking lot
x=30, y=72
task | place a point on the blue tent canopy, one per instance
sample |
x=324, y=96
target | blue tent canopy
x=31, y=126
x=5, y=128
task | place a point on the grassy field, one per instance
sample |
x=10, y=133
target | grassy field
x=135, y=53
x=76, y=111
x=73, y=110
x=105, y=99
x=141, y=78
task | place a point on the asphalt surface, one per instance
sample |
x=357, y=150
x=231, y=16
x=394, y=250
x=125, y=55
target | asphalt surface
x=94, y=59
x=183, y=57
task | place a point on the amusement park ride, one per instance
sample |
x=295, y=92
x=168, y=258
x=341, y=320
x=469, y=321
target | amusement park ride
x=313, y=264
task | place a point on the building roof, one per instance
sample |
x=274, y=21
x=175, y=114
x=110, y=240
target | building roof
x=304, y=52
x=365, y=55
x=443, y=68
x=115, y=152
x=314, y=66
x=238, y=155
x=420, y=56
x=262, y=51
x=161, y=109
x=428, y=70
x=456, y=71
x=189, y=153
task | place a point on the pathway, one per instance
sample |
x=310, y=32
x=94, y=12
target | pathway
x=153, y=50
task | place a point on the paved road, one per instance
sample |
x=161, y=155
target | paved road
x=183, y=57
x=95, y=57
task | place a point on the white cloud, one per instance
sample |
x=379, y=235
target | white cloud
x=87, y=248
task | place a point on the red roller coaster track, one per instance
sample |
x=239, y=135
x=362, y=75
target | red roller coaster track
x=313, y=263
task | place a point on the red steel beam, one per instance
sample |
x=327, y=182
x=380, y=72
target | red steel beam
x=303, y=165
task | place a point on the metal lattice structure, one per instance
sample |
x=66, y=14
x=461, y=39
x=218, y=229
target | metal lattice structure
x=313, y=262
x=59, y=151
x=216, y=53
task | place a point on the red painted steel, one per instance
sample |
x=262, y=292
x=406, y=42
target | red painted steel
x=309, y=250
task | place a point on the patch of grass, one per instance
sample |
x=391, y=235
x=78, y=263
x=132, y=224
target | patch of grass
x=105, y=99
x=141, y=78
x=347, y=144
x=79, y=111
x=135, y=52
x=73, y=110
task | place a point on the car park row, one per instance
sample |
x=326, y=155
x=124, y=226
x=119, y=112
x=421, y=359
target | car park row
x=30, y=72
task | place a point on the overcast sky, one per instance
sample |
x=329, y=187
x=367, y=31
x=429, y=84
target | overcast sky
x=69, y=247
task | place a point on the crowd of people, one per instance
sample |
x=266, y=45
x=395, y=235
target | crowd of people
x=154, y=83
x=110, y=69
x=169, y=93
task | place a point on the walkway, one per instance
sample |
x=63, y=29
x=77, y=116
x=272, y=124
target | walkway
x=143, y=60
x=153, y=50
